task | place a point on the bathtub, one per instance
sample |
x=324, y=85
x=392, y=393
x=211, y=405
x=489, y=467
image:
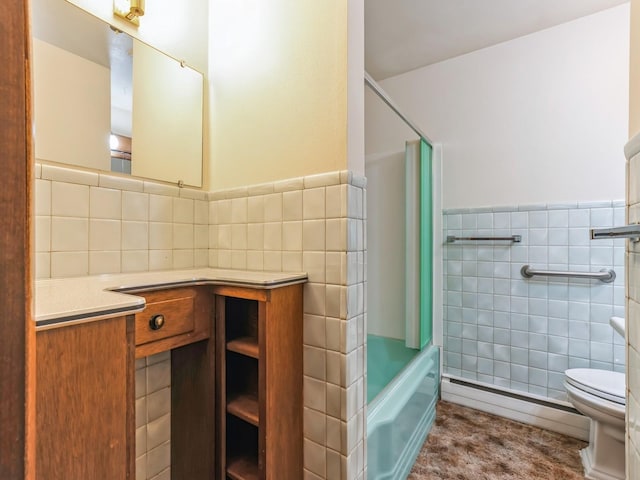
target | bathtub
x=401, y=415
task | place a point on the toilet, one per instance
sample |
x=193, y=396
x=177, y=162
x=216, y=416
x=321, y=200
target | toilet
x=600, y=395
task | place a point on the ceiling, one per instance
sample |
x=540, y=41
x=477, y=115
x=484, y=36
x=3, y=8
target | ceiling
x=403, y=35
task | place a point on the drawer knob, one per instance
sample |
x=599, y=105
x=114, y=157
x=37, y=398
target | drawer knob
x=156, y=322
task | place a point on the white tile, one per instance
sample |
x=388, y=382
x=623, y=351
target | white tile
x=183, y=236
x=313, y=203
x=135, y=235
x=201, y=258
x=159, y=404
x=120, y=183
x=158, y=430
x=315, y=362
x=239, y=259
x=273, y=207
x=255, y=260
x=69, y=234
x=273, y=261
x=69, y=264
x=105, y=203
x=135, y=261
x=201, y=236
x=314, y=298
x=336, y=234
x=43, y=265
x=160, y=236
x=255, y=209
x=314, y=264
x=160, y=208
x=291, y=261
x=43, y=234
x=273, y=236
x=314, y=330
x=224, y=237
x=255, y=236
x=69, y=200
x=313, y=235
x=160, y=259
x=43, y=197
x=69, y=175
x=292, y=236
x=239, y=236
x=292, y=205
x=336, y=201
x=315, y=458
x=104, y=234
x=183, y=210
x=201, y=212
x=160, y=189
x=135, y=206
x=224, y=211
x=104, y=262
x=322, y=179
x=158, y=459
x=239, y=210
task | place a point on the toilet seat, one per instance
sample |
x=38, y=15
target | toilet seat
x=603, y=384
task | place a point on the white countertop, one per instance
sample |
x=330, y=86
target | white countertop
x=81, y=298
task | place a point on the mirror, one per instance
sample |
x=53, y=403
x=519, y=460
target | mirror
x=106, y=101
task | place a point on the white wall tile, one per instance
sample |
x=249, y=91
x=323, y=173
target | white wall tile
x=105, y=234
x=160, y=208
x=135, y=206
x=69, y=264
x=69, y=200
x=43, y=197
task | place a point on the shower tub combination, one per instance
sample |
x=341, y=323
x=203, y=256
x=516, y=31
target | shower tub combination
x=402, y=413
x=403, y=365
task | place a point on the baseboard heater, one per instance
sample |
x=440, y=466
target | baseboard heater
x=555, y=416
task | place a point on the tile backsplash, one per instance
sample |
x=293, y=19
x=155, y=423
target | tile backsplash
x=90, y=223
x=503, y=329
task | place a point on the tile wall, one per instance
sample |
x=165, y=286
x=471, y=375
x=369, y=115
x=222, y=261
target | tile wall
x=633, y=318
x=153, y=417
x=89, y=223
x=521, y=334
x=314, y=224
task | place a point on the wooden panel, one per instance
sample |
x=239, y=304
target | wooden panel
x=245, y=345
x=17, y=342
x=242, y=292
x=282, y=360
x=85, y=378
x=178, y=318
x=221, y=391
x=202, y=321
x=245, y=407
x=193, y=426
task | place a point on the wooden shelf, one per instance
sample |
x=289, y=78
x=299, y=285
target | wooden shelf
x=245, y=346
x=245, y=407
x=243, y=468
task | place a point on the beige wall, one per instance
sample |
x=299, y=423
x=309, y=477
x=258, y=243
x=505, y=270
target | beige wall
x=278, y=86
x=634, y=70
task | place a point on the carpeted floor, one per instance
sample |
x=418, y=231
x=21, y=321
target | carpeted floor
x=468, y=444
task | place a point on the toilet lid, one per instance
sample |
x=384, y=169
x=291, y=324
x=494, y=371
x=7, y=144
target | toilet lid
x=601, y=383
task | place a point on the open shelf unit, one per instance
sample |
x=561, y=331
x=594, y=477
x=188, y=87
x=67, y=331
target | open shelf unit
x=259, y=384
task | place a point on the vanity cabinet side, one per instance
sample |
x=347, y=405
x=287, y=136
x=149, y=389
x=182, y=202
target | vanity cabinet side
x=85, y=387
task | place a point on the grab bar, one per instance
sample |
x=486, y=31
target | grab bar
x=627, y=231
x=512, y=238
x=606, y=276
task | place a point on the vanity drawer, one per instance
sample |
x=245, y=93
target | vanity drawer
x=167, y=314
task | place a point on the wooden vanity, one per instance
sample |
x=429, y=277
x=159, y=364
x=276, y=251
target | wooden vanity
x=236, y=384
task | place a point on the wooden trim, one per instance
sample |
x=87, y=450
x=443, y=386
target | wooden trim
x=17, y=342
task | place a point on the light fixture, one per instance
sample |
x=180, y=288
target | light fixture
x=130, y=10
x=114, y=143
